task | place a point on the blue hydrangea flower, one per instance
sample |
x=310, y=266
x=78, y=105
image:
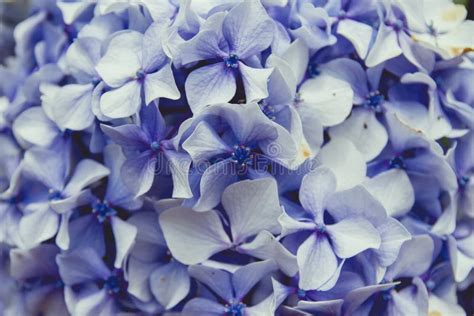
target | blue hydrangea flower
x=231, y=43
x=145, y=68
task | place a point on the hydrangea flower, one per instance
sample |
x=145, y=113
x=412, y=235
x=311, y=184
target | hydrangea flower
x=231, y=44
x=147, y=69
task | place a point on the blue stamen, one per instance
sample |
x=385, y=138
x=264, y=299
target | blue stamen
x=386, y=296
x=54, y=195
x=103, y=211
x=235, y=309
x=301, y=294
x=463, y=181
x=231, y=61
x=313, y=70
x=113, y=284
x=398, y=25
x=297, y=100
x=430, y=285
x=155, y=146
x=374, y=100
x=397, y=163
x=320, y=228
x=140, y=75
x=268, y=110
x=241, y=154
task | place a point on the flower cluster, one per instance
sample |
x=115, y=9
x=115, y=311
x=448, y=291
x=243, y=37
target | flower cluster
x=238, y=157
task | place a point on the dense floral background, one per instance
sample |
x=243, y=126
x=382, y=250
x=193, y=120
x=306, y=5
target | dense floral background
x=236, y=157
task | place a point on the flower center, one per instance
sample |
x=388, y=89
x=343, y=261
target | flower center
x=397, y=163
x=301, y=294
x=313, y=70
x=54, y=195
x=140, y=75
x=463, y=181
x=397, y=25
x=320, y=228
x=268, y=110
x=155, y=146
x=235, y=309
x=102, y=210
x=241, y=154
x=386, y=296
x=231, y=61
x=114, y=283
x=373, y=101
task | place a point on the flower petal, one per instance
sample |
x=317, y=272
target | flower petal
x=352, y=236
x=123, y=101
x=209, y=85
x=193, y=237
x=241, y=199
x=317, y=262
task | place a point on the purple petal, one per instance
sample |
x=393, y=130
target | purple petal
x=210, y=85
x=152, y=48
x=71, y=106
x=245, y=278
x=123, y=101
x=316, y=188
x=255, y=82
x=193, y=237
x=138, y=172
x=81, y=58
x=161, y=84
x=219, y=281
x=364, y=130
x=352, y=236
x=414, y=258
x=129, y=136
x=250, y=35
x=240, y=200
x=317, y=262
x=385, y=47
x=213, y=182
x=203, y=306
x=170, y=283
x=204, y=143
x=80, y=266
x=87, y=172
x=35, y=127
x=124, y=235
x=266, y=246
x=204, y=46
x=124, y=50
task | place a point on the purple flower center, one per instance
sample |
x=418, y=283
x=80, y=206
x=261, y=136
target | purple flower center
x=301, y=294
x=140, y=75
x=386, y=296
x=235, y=309
x=268, y=110
x=397, y=25
x=102, y=210
x=241, y=154
x=313, y=70
x=397, y=163
x=463, y=181
x=231, y=61
x=155, y=146
x=54, y=195
x=373, y=101
x=114, y=283
x=320, y=228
